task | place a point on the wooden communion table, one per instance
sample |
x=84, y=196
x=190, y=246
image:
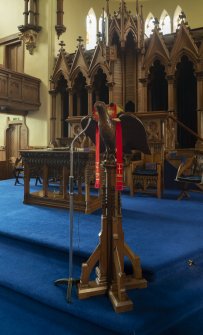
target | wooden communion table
x=53, y=168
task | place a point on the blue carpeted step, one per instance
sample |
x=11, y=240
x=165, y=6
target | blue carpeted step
x=20, y=315
x=165, y=233
x=31, y=272
x=191, y=324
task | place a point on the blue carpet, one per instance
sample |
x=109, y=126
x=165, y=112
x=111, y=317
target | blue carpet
x=34, y=243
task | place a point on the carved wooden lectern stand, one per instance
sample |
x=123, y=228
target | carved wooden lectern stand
x=110, y=253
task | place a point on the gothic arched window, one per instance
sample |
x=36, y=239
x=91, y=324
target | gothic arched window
x=102, y=23
x=149, y=24
x=176, y=18
x=91, y=29
x=165, y=23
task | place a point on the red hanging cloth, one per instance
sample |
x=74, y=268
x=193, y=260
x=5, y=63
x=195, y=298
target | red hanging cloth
x=119, y=158
x=97, y=159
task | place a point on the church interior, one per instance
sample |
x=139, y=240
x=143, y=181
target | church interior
x=65, y=185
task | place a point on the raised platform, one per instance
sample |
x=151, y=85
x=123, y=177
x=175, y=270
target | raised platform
x=34, y=253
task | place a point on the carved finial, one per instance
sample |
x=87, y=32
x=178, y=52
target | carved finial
x=141, y=9
x=80, y=40
x=123, y=6
x=62, y=44
x=107, y=8
x=182, y=18
x=156, y=23
x=137, y=7
x=99, y=36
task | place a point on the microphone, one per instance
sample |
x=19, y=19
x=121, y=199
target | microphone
x=82, y=131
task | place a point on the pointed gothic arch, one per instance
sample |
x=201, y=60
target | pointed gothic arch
x=114, y=38
x=157, y=87
x=80, y=95
x=91, y=29
x=184, y=53
x=100, y=90
x=176, y=18
x=149, y=24
x=165, y=22
x=57, y=76
x=130, y=66
x=102, y=23
x=186, y=101
x=130, y=32
x=105, y=70
x=62, y=112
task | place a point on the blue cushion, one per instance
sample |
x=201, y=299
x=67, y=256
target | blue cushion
x=145, y=172
x=191, y=179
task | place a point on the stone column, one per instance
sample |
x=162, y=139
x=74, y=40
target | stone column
x=70, y=107
x=110, y=86
x=89, y=93
x=171, y=99
x=143, y=95
x=78, y=104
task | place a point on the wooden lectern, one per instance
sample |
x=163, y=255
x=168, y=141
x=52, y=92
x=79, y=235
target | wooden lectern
x=114, y=137
x=110, y=252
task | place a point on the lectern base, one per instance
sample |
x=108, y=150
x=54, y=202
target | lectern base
x=110, y=253
x=69, y=282
x=120, y=304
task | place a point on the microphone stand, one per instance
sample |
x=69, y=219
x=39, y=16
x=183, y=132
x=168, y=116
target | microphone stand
x=70, y=281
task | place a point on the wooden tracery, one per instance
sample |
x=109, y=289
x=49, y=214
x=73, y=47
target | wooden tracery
x=120, y=67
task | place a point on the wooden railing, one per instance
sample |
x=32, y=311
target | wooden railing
x=164, y=128
x=192, y=132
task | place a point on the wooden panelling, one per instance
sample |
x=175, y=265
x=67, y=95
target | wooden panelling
x=3, y=170
x=2, y=155
x=19, y=93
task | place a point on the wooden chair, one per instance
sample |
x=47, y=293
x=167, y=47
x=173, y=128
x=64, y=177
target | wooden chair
x=128, y=168
x=18, y=172
x=190, y=175
x=147, y=173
